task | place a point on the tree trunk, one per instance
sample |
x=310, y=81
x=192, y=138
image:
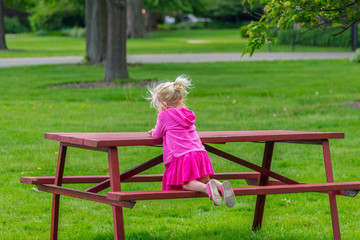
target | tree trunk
x=116, y=67
x=135, y=19
x=354, y=36
x=151, y=21
x=96, y=30
x=2, y=27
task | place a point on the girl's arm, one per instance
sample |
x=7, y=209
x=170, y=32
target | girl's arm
x=159, y=130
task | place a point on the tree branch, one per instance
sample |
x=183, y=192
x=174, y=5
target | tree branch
x=355, y=2
x=248, y=12
x=347, y=27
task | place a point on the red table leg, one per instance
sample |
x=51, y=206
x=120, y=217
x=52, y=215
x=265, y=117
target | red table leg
x=260, y=200
x=114, y=172
x=332, y=195
x=56, y=198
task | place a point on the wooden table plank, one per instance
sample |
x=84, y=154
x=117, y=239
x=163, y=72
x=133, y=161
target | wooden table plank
x=112, y=139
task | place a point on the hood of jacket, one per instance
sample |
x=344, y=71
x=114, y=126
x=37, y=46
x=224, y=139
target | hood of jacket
x=183, y=116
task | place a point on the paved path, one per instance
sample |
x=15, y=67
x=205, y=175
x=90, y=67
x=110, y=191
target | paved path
x=185, y=57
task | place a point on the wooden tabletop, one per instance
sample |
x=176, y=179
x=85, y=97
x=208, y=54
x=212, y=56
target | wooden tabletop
x=113, y=139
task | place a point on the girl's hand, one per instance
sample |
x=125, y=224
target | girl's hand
x=151, y=131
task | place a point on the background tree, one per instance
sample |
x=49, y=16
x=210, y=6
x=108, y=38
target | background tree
x=96, y=30
x=2, y=27
x=19, y=4
x=116, y=65
x=135, y=19
x=332, y=15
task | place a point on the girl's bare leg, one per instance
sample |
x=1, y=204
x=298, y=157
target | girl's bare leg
x=195, y=186
x=200, y=184
x=204, y=179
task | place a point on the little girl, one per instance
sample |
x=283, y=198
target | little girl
x=187, y=164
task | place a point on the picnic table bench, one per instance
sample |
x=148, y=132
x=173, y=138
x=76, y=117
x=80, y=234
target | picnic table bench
x=260, y=176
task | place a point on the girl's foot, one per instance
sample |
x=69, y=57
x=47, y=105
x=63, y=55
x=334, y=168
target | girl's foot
x=213, y=193
x=228, y=194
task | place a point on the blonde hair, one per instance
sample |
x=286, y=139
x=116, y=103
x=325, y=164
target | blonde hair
x=168, y=94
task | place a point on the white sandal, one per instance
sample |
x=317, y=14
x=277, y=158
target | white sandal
x=228, y=194
x=213, y=192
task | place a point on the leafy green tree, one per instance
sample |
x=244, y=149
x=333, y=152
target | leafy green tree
x=55, y=14
x=309, y=14
x=18, y=4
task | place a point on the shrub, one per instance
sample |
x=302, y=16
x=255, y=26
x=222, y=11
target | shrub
x=182, y=26
x=187, y=26
x=51, y=16
x=74, y=32
x=41, y=32
x=356, y=56
x=13, y=25
x=216, y=24
x=44, y=32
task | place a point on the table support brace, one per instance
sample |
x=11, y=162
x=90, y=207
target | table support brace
x=249, y=165
x=332, y=195
x=114, y=171
x=260, y=200
x=128, y=174
x=56, y=197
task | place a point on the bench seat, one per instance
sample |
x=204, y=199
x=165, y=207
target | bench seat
x=239, y=191
x=137, y=178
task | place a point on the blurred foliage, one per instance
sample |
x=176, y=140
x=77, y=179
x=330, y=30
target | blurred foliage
x=356, y=57
x=183, y=26
x=13, y=25
x=230, y=10
x=16, y=15
x=53, y=15
x=219, y=24
x=223, y=13
x=310, y=14
x=74, y=32
x=243, y=31
x=174, y=7
x=24, y=5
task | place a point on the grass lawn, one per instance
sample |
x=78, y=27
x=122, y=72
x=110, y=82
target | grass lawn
x=290, y=95
x=181, y=41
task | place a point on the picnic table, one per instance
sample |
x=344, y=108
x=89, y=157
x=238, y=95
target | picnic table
x=260, y=176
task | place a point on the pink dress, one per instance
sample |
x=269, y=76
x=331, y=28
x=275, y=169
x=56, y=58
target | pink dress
x=185, y=158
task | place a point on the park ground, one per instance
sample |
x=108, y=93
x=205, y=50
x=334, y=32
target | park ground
x=311, y=95
x=181, y=41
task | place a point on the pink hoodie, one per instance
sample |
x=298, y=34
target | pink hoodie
x=176, y=127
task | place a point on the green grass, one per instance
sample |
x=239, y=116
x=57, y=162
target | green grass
x=181, y=41
x=293, y=95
